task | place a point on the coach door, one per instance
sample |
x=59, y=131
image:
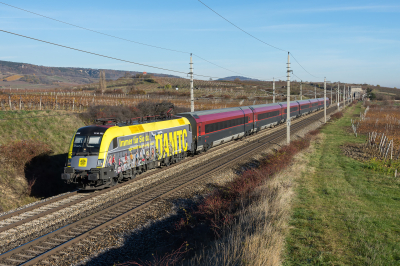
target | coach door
x=199, y=133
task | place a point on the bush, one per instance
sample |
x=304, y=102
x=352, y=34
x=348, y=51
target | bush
x=336, y=116
x=19, y=153
x=242, y=97
x=115, y=91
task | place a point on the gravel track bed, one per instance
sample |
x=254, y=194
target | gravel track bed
x=39, y=210
x=142, y=234
x=34, y=203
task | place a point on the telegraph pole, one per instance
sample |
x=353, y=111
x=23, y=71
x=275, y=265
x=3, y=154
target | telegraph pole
x=191, y=85
x=301, y=90
x=331, y=94
x=325, y=99
x=273, y=90
x=288, y=102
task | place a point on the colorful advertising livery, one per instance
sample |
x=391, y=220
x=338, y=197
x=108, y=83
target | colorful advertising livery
x=100, y=156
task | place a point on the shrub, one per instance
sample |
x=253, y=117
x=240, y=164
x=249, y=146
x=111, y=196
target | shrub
x=19, y=153
x=336, y=116
x=242, y=97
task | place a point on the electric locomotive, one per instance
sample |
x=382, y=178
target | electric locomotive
x=101, y=156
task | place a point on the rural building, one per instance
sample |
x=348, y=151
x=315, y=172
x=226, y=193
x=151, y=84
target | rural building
x=356, y=90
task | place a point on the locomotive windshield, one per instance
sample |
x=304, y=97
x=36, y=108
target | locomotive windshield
x=86, y=145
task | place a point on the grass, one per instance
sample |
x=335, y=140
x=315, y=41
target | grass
x=53, y=127
x=344, y=213
x=39, y=175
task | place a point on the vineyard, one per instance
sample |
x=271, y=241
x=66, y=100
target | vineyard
x=381, y=125
x=129, y=91
x=81, y=101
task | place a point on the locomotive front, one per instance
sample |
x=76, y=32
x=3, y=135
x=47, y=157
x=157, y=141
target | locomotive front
x=85, y=161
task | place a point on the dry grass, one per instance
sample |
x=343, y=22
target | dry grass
x=258, y=235
x=13, y=77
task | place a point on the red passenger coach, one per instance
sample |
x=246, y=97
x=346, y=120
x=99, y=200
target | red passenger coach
x=266, y=115
x=305, y=107
x=321, y=102
x=214, y=127
x=294, y=109
x=314, y=104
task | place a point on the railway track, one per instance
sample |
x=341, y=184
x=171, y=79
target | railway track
x=36, y=211
x=45, y=248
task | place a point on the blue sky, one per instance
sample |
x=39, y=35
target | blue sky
x=347, y=41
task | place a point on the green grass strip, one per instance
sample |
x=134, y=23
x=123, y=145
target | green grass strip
x=344, y=213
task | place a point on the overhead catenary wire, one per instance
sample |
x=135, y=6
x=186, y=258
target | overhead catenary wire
x=128, y=40
x=105, y=56
x=241, y=28
x=254, y=37
x=95, y=31
x=302, y=66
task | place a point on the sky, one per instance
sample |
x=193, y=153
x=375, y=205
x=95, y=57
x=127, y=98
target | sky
x=348, y=41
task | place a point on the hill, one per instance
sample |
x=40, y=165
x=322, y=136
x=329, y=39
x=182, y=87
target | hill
x=232, y=78
x=55, y=76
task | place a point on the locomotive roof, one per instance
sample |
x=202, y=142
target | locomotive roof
x=90, y=130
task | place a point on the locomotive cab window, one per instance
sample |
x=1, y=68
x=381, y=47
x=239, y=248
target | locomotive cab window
x=86, y=145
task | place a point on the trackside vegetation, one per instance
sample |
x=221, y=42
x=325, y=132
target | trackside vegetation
x=33, y=148
x=345, y=212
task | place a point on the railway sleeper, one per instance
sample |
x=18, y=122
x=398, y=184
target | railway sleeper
x=34, y=251
x=41, y=247
x=15, y=260
x=25, y=256
x=51, y=243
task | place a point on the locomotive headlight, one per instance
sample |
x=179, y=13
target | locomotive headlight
x=100, y=162
x=69, y=162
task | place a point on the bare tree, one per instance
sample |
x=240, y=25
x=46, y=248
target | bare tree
x=103, y=85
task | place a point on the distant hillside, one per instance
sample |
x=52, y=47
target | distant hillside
x=232, y=78
x=53, y=75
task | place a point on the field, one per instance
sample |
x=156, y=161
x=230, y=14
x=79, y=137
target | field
x=12, y=78
x=345, y=212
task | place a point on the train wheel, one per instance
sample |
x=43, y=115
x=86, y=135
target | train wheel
x=166, y=161
x=114, y=181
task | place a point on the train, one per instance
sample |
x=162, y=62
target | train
x=100, y=156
